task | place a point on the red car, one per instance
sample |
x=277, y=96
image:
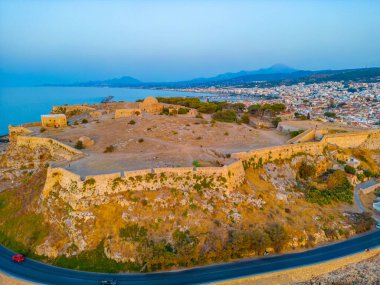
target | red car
x=18, y=258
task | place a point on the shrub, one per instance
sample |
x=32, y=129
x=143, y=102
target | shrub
x=295, y=133
x=42, y=130
x=79, y=145
x=196, y=163
x=260, y=240
x=198, y=116
x=330, y=114
x=84, y=121
x=306, y=170
x=349, y=169
x=363, y=222
x=278, y=236
x=132, y=122
x=141, y=140
x=338, y=189
x=228, y=116
x=183, y=110
x=165, y=111
x=245, y=118
x=109, y=148
x=276, y=121
x=133, y=232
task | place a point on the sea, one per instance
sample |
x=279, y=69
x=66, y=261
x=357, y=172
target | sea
x=20, y=105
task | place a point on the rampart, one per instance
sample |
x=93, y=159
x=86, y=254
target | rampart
x=72, y=108
x=54, y=146
x=14, y=132
x=366, y=139
x=225, y=178
x=97, y=187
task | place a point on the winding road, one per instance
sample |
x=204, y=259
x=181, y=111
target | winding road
x=37, y=272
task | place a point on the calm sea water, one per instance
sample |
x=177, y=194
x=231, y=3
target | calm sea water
x=21, y=105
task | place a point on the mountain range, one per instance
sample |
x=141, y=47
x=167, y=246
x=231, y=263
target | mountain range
x=278, y=74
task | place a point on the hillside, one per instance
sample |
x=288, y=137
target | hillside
x=105, y=224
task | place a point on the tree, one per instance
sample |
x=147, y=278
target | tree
x=253, y=109
x=349, y=169
x=330, y=114
x=276, y=121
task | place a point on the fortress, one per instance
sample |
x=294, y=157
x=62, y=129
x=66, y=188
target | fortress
x=227, y=177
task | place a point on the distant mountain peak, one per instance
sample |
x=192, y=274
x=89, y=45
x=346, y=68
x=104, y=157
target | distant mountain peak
x=276, y=68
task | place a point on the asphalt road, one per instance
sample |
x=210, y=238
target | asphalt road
x=46, y=274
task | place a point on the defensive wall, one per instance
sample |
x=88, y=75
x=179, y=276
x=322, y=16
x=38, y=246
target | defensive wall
x=73, y=108
x=225, y=178
x=82, y=190
x=54, y=146
x=366, y=140
x=14, y=132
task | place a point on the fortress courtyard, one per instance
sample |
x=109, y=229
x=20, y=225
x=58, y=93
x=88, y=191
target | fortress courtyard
x=153, y=140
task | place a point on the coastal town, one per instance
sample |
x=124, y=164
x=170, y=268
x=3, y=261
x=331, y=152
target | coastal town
x=353, y=104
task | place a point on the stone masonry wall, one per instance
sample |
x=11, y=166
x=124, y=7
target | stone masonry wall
x=96, y=188
x=55, y=147
x=226, y=178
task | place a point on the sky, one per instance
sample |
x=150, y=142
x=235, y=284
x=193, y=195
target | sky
x=157, y=40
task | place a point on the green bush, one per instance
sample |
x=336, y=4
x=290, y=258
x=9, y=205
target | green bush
x=228, y=116
x=330, y=114
x=349, y=169
x=79, y=145
x=278, y=236
x=183, y=110
x=276, y=121
x=306, y=170
x=295, y=133
x=244, y=118
x=338, y=189
x=109, y=148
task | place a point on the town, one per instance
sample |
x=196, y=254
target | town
x=355, y=104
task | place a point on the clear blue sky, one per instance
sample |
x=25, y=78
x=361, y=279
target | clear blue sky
x=157, y=40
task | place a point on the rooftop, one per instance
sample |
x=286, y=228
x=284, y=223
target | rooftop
x=368, y=184
x=53, y=116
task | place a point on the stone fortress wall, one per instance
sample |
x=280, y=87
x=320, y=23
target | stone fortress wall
x=96, y=188
x=365, y=139
x=71, y=108
x=55, y=147
x=226, y=178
